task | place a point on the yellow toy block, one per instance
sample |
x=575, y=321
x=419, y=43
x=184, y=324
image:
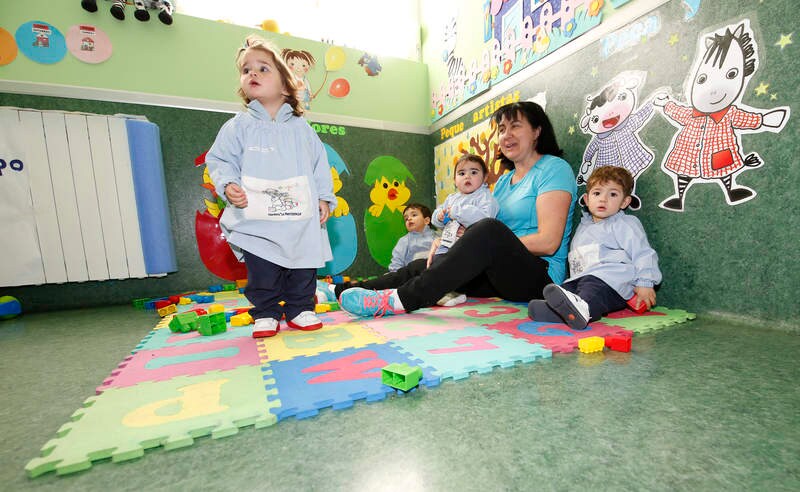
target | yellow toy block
x=184, y=300
x=589, y=345
x=241, y=283
x=215, y=308
x=170, y=309
x=242, y=319
x=322, y=308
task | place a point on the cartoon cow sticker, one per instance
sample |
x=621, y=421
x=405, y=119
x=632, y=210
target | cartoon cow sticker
x=707, y=146
x=613, y=120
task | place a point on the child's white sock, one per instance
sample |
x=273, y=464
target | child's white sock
x=396, y=303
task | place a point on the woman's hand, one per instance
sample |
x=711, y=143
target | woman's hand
x=235, y=195
x=434, y=246
x=324, y=211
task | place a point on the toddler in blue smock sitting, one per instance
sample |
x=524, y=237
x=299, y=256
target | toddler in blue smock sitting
x=417, y=243
x=610, y=259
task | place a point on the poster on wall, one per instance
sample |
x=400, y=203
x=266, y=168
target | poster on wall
x=88, y=43
x=8, y=47
x=516, y=34
x=41, y=42
x=707, y=147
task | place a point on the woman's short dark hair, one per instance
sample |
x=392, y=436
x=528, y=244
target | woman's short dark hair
x=546, y=143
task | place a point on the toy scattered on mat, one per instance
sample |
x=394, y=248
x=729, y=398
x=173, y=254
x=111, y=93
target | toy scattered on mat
x=208, y=324
x=591, y=344
x=401, y=376
x=619, y=343
x=9, y=307
x=636, y=306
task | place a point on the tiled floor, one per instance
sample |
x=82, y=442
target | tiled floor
x=705, y=405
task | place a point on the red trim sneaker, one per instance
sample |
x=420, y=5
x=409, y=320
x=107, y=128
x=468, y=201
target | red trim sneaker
x=266, y=327
x=306, y=321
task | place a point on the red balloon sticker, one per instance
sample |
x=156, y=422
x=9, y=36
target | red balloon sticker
x=339, y=88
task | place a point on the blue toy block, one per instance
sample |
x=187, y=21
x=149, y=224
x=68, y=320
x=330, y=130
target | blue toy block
x=215, y=288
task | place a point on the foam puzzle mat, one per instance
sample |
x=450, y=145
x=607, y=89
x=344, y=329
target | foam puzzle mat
x=176, y=387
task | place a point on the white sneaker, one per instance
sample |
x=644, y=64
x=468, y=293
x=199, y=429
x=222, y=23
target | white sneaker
x=452, y=299
x=266, y=327
x=572, y=309
x=306, y=321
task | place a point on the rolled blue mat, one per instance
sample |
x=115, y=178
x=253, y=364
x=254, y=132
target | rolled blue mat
x=147, y=165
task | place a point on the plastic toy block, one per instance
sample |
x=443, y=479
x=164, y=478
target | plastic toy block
x=619, y=343
x=185, y=300
x=589, y=345
x=139, y=303
x=227, y=287
x=161, y=304
x=322, y=308
x=211, y=324
x=215, y=288
x=243, y=319
x=216, y=308
x=632, y=305
x=218, y=323
x=338, y=279
x=401, y=376
x=174, y=299
x=333, y=306
x=205, y=299
x=240, y=310
x=199, y=311
x=150, y=305
x=240, y=284
x=346, y=278
x=183, y=322
x=168, y=309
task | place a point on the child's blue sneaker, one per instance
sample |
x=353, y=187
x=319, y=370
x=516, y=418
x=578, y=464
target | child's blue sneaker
x=364, y=303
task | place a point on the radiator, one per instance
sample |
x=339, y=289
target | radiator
x=82, y=198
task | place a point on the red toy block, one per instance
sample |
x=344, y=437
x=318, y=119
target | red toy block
x=632, y=305
x=162, y=304
x=175, y=300
x=619, y=343
x=199, y=311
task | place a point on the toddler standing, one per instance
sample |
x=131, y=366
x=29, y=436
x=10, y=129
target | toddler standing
x=272, y=167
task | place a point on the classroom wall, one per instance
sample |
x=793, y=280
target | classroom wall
x=192, y=60
x=740, y=260
x=185, y=134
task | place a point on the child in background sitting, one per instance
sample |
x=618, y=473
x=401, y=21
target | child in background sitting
x=273, y=170
x=610, y=258
x=417, y=243
x=460, y=210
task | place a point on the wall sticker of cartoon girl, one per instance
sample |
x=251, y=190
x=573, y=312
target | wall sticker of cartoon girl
x=707, y=146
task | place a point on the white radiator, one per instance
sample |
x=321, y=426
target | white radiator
x=68, y=201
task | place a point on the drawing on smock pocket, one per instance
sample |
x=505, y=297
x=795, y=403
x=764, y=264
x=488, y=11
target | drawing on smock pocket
x=285, y=199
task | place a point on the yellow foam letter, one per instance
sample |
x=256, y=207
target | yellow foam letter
x=198, y=400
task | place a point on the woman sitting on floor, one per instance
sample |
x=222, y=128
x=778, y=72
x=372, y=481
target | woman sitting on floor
x=513, y=256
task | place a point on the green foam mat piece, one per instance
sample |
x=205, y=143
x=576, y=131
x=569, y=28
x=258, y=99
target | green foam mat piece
x=658, y=317
x=165, y=413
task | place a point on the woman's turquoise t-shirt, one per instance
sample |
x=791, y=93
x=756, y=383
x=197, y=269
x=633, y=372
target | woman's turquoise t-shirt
x=518, y=205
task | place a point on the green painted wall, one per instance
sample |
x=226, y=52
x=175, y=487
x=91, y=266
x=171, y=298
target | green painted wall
x=185, y=134
x=742, y=259
x=194, y=58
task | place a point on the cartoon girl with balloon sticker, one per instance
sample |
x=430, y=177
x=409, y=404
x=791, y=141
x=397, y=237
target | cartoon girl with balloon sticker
x=707, y=146
x=300, y=62
x=614, y=122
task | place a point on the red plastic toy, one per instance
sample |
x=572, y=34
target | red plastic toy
x=633, y=301
x=619, y=343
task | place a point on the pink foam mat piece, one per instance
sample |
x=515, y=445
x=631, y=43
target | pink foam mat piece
x=185, y=360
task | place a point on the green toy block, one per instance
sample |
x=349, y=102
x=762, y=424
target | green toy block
x=204, y=325
x=139, y=303
x=217, y=323
x=229, y=287
x=401, y=376
x=184, y=322
x=334, y=306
